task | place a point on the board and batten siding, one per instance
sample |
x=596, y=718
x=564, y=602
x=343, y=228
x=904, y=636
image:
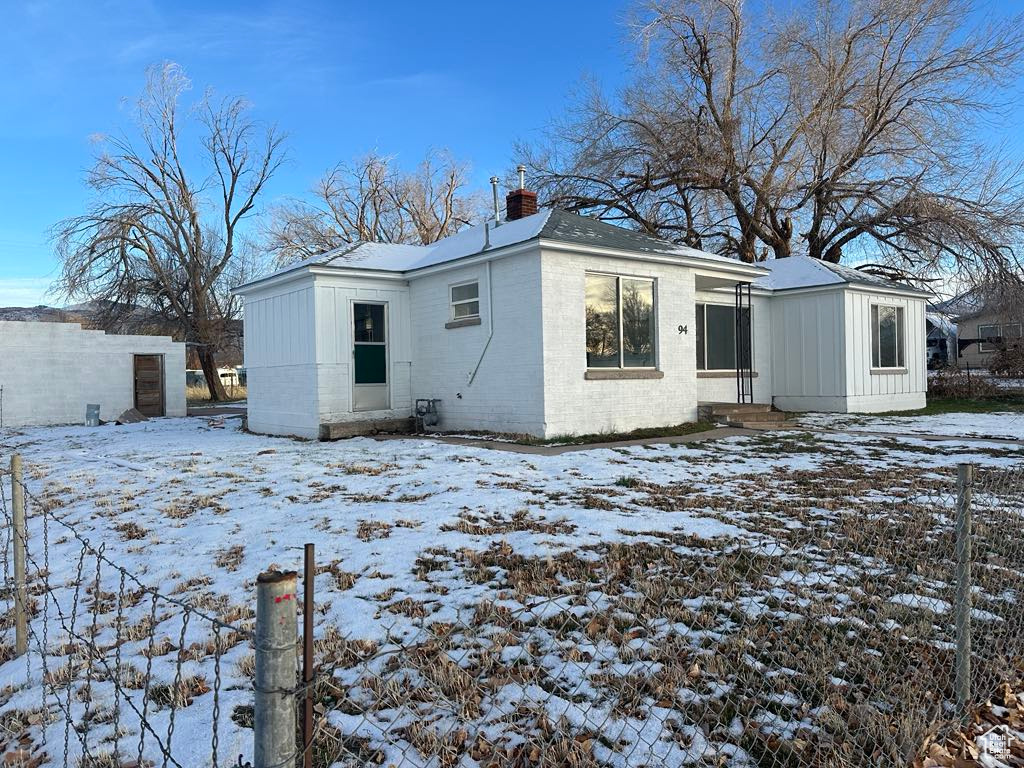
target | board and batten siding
x=869, y=390
x=280, y=359
x=49, y=372
x=822, y=352
x=808, y=350
x=715, y=388
x=507, y=393
x=334, y=297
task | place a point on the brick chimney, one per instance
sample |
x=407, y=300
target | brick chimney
x=520, y=202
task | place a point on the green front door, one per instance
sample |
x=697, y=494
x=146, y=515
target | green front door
x=369, y=357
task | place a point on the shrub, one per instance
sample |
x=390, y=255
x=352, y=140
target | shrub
x=958, y=383
x=1008, y=361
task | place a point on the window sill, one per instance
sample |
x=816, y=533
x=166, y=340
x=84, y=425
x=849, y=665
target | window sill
x=612, y=374
x=463, y=323
x=721, y=374
x=888, y=371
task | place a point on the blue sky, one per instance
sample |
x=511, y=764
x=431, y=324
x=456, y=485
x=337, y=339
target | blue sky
x=341, y=78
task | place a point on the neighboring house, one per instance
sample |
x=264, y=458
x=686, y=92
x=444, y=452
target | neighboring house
x=982, y=324
x=49, y=372
x=551, y=323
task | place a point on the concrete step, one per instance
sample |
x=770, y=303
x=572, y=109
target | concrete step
x=765, y=416
x=342, y=429
x=723, y=409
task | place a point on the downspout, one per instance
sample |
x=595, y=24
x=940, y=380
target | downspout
x=490, y=324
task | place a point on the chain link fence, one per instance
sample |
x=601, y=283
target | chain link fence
x=829, y=640
x=815, y=633
x=112, y=665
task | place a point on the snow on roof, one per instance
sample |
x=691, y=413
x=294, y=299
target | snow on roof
x=549, y=224
x=796, y=272
x=941, y=322
x=806, y=272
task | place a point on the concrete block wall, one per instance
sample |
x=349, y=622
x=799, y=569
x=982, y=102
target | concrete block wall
x=507, y=394
x=576, y=405
x=50, y=371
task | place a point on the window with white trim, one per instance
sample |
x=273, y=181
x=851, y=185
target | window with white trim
x=887, y=332
x=1009, y=333
x=465, y=301
x=716, y=337
x=620, y=322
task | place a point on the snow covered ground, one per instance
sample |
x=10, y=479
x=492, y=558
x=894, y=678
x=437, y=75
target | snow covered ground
x=671, y=605
x=1006, y=425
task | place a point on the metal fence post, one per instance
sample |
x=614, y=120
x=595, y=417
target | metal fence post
x=308, y=584
x=276, y=640
x=20, y=546
x=964, y=482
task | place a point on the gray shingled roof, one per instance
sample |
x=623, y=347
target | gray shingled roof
x=572, y=228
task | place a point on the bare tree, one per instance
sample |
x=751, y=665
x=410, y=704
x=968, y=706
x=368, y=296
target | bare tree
x=835, y=129
x=372, y=200
x=159, y=243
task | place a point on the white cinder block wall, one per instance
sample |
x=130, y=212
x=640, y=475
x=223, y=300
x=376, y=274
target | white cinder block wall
x=507, y=394
x=50, y=371
x=334, y=297
x=574, y=404
x=280, y=359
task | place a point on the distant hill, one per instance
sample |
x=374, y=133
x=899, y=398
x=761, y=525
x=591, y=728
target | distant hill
x=80, y=313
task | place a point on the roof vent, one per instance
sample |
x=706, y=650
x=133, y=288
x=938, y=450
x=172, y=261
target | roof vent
x=494, y=191
x=521, y=202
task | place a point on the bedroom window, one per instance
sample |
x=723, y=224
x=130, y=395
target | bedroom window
x=620, y=322
x=1006, y=332
x=887, y=330
x=716, y=337
x=465, y=301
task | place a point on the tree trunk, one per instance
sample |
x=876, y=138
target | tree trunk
x=208, y=363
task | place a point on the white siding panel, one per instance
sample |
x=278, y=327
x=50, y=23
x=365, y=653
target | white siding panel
x=334, y=296
x=807, y=345
x=280, y=366
x=872, y=390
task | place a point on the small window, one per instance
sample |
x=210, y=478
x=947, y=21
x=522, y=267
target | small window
x=716, y=337
x=887, y=330
x=988, y=332
x=620, y=322
x=465, y=301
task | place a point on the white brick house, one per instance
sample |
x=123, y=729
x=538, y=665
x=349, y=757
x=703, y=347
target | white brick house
x=550, y=323
x=49, y=372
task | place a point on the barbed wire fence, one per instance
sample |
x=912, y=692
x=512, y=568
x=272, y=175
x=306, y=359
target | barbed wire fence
x=806, y=634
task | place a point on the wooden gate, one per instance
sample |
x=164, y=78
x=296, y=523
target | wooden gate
x=149, y=385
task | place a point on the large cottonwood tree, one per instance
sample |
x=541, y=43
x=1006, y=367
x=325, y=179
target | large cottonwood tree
x=836, y=129
x=163, y=238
